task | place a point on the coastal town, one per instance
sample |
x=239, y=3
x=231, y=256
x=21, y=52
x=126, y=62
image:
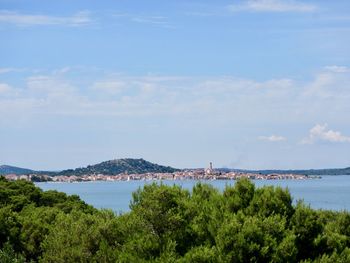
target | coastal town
x=188, y=174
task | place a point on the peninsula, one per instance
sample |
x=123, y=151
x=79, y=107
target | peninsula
x=140, y=169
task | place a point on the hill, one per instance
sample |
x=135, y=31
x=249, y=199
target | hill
x=330, y=171
x=117, y=166
x=342, y=171
x=7, y=169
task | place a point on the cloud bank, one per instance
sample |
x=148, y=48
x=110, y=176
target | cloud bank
x=272, y=138
x=226, y=113
x=223, y=99
x=81, y=18
x=276, y=6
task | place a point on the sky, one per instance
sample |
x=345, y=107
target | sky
x=255, y=84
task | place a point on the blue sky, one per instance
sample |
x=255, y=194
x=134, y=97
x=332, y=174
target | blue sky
x=247, y=84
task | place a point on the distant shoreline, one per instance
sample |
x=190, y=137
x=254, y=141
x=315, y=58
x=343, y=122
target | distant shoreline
x=198, y=174
x=139, y=167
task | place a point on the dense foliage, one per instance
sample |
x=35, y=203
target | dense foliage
x=170, y=224
x=118, y=166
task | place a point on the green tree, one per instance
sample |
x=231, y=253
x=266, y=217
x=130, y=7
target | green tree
x=239, y=196
x=9, y=228
x=78, y=237
x=306, y=227
x=36, y=223
x=270, y=200
x=163, y=209
x=8, y=255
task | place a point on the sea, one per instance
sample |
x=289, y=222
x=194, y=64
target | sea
x=328, y=192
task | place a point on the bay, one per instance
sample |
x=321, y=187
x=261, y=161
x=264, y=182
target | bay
x=329, y=192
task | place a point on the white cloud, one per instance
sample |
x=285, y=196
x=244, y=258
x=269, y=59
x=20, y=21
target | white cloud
x=10, y=70
x=52, y=94
x=62, y=71
x=272, y=138
x=11, y=17
x=160, y=21
x=4, y=88
x=272, y=6
x=202, y=14
x=338, y=69
x=332, y=83
x=111, y=87
x=7, y=91
x=322, y=133
x=6, y=70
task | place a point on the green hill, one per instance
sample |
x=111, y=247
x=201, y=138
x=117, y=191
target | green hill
x=330, y=171
x=118, y=166
x=7, y=169
x=335, y=171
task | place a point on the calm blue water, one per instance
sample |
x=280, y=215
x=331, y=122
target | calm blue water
x=330, y=192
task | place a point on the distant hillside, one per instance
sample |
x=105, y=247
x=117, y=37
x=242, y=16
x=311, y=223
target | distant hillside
x=333, y=171
x=7, y=169
x=113, y=167
x=341, y=171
